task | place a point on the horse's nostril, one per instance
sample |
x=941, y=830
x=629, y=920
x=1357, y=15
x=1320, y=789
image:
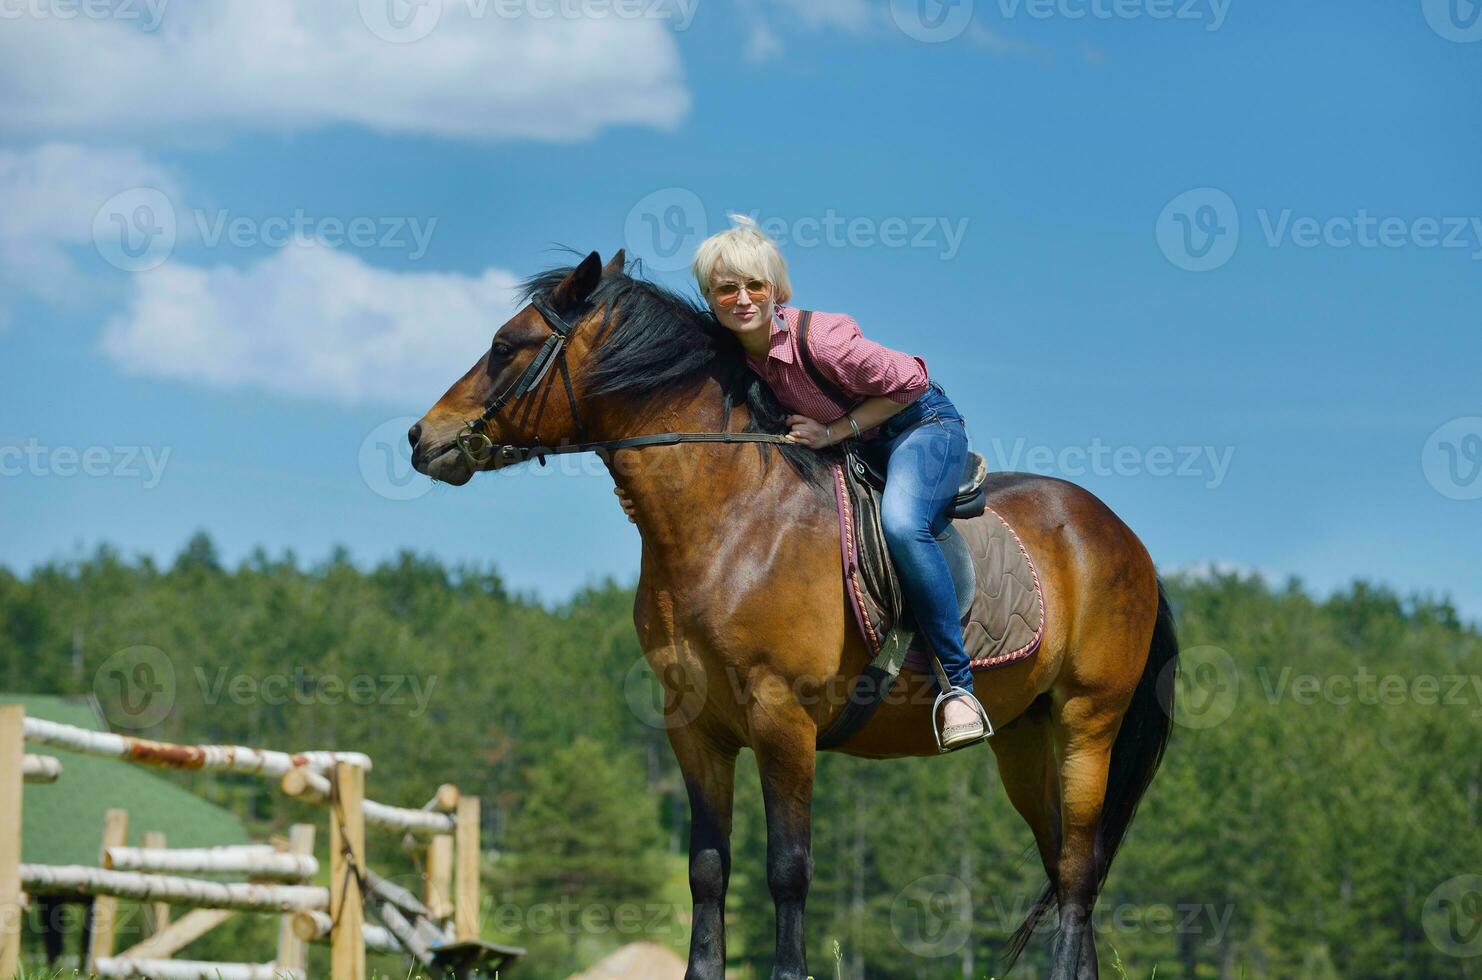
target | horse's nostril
x=414, y=435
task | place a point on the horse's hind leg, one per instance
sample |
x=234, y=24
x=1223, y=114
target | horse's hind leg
x=1086, y=728
x=1026, y=766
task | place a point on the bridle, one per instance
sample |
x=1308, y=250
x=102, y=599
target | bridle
x=473, y=439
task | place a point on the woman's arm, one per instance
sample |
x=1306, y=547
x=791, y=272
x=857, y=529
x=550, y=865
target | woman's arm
x=887, y=379
x=870, y=413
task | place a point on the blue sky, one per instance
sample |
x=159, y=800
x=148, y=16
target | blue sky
x=1220, y=262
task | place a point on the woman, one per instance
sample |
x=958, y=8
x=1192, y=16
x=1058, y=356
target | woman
x=879, y=396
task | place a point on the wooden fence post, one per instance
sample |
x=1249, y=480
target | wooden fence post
x=12, y=748
x=466, y=883
x=105, y=908
x=437, y=891
x=346, y=871
x=291, y=949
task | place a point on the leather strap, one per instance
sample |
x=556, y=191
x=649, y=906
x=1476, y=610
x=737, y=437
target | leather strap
x=824, y=384
x=539, y=452
x=868, y=691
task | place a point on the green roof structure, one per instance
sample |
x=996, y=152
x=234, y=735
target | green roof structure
x=62, y=823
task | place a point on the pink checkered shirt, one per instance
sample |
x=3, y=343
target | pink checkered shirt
x=842, y=355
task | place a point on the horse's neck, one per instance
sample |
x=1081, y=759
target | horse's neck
x=694, y=499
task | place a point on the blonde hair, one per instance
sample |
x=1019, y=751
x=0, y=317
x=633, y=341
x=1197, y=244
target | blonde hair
x=744, y=250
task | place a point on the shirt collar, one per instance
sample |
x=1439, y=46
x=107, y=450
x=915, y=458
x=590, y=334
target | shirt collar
x=781, y=344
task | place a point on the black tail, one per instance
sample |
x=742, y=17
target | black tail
x=1135, y=757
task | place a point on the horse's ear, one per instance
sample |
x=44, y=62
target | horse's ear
x=578, y=284
x=615, y=264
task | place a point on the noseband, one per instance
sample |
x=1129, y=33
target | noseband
x=473, y=439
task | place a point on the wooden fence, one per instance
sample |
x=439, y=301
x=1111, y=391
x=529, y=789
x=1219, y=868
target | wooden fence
x=439, y=930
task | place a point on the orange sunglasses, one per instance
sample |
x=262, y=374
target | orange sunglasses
x=727, y=293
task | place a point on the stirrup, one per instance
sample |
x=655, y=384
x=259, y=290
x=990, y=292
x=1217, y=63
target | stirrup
x=936, y=727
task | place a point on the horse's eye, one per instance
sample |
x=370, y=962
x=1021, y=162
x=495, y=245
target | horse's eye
x=501, y=348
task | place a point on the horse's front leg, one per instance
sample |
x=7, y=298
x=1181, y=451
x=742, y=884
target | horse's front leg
x=782, y=736
x=709, y=771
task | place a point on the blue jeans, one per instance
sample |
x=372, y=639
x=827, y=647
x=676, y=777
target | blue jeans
x=924, y=452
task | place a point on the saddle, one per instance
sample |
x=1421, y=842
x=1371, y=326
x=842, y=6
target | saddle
x=1000, y=601
x=971, y=497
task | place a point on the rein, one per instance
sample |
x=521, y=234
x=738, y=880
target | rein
x=474, y=443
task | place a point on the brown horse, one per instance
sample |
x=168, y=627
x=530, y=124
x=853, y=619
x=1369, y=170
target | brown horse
x=741, y=608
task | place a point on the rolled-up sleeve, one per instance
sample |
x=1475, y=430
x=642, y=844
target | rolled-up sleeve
x=863, y=367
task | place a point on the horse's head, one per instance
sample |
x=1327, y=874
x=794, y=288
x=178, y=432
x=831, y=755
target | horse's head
x=516, y=393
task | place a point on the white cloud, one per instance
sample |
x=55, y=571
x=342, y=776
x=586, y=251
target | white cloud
x=1217, y=568
x=864, y=18
x=763, y=45
x=310, y=322
x=287, y=65
x=49, y=196
x=851, y=16
x=1001, y=46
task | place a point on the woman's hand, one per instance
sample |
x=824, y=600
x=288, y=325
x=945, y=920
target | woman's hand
x=814, y=435
x=628, y=507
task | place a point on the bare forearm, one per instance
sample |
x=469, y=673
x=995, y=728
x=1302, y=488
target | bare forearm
x=869, y=414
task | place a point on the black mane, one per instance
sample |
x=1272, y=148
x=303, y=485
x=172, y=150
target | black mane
x=662, y=341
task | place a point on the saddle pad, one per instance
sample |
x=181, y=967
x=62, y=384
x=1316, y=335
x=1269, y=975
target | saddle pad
x=1006, y=620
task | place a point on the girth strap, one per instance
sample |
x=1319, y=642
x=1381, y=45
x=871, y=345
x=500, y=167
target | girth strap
x=868, y=691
